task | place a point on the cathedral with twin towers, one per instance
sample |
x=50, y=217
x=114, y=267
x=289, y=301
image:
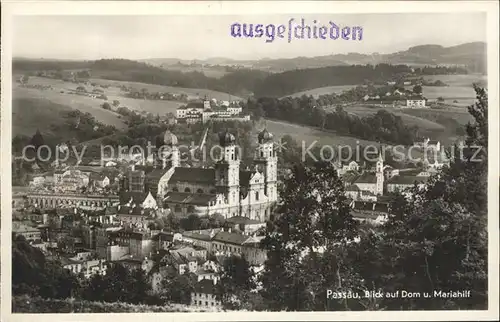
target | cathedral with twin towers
x=223, y=189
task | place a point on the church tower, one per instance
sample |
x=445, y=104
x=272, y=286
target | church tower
x=265, y=158
x=227, y=170
x=380, y=175
x=170, y=154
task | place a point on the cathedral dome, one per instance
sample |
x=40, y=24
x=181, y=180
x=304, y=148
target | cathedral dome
x=265, y=136
x=169, y=138
x=226, y=138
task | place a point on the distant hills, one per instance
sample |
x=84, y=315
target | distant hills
x=470, y=55
x=274, y=77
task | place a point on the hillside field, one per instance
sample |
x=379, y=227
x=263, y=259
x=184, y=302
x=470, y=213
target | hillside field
x=459, y=88
x=93, y=105
x=309, y=134
x=316, y=92
x=192, y=93
x=30, y=114
x=305, y=136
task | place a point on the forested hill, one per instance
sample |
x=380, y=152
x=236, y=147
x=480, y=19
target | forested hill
x=240, y=82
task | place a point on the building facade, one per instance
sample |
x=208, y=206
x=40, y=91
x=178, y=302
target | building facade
x=225, y=188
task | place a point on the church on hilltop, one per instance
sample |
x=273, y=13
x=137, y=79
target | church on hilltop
x=223, y=189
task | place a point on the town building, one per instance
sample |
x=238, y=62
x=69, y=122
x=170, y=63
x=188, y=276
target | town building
x=415, y=102
x=228, y=242
x=369, y=211
x=224, y=189
x=202, y=112
x=401, y=183
x=29, y=233
x=204, y=294
x=79, y=200
x=372, y=182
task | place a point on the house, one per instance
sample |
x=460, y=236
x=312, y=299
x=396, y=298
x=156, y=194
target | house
x=139, y=199
x=403, y=182
x=352, y=192
x=236, y=243
x=182, y=262
x=415, y=102
x=94, y=267
x=208, y=270
x=204, y=294
x=201, y=238
x=135, y=217
x=163, y=240
x=374, y=212
x=29, y=233
x=73, y=266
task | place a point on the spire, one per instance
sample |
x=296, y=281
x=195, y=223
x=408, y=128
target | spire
x=380, y=157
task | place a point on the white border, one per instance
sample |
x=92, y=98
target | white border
x=10, y=8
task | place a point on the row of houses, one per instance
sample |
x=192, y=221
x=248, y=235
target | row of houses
x=202, y=112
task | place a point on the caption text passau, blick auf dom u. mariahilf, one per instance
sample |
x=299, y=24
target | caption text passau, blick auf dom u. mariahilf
x=296, y=31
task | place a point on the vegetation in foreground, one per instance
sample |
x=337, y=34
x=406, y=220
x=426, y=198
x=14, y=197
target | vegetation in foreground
x=435, y=240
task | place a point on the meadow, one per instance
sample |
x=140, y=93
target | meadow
x=41, y=100
x=192, y=93
x=309, y=134
x=305, y=136
x=459, y=91
x=316, y=92
x=62, y=94
x=409, y=120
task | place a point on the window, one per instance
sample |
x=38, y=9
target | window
x=199, y=191
x=174, y=189
x=257, y=195
x=206, y=303
x=187, y=190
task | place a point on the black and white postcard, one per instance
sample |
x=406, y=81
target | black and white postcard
x=249, y=160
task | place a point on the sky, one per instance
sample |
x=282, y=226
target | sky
x=202, y=37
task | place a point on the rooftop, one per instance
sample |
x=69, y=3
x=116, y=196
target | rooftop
x=367, y=177
x=198, y=175
x=230, y=238
x=18, y=227
x=199, y=199
x=408, y=180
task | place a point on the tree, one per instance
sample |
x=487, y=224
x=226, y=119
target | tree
x=116, y=103
x=178, y=289
x=440, y=99
x=417, y=89
x=192, y=222
x=235, y=282
x=32, y=274
x=436, y=239
x=305, y=242
x=106, y=106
